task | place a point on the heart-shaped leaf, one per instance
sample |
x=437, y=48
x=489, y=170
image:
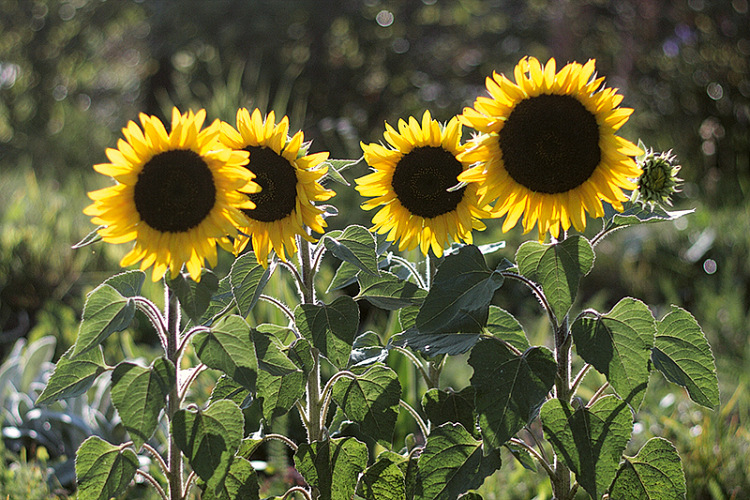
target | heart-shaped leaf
x=460, y=296
x=241, y=482
x=209, y=438
x=683, y=355
x=504, y=326
x=331, y=328
x=106, y=311
x=433, y=344
x=509, y=388
x=227, y=347
x=139, y=394
x=103, y=470
x=248, y=278
x=449, y=406
x=194, y=296
x=452, y=463
x=589, y=440
x=333, y=466
x=371, y=400
x=383, y=480
x=618, y=344
x=558, y=268
x=281, y=382
x=355, y=245
x=655, y=472
x=389, y=292
x=128, y=284
x=73, y=377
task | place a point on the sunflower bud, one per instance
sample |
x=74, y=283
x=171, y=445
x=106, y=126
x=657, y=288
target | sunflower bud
x=659, y=179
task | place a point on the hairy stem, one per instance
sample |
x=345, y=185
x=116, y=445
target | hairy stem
x=563, y=344
x=173, y=398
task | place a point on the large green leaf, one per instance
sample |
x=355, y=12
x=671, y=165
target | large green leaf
x=248, y=278
x=509, y=388
x=460, y=296
x=383, y=480
x=655, y=473
x=331, y=328
x=228, y=347
x=388, y=291
x=73, y=377
x=558, y=268
x=209, y=438
x=355, y=245
x=618, y=344
x=139, y=394
x=241, y=482
x=221, y=301
x=332, y=466
x=589, y=440
x=345, y=275
x=367, y=350
x=106, y=311
x=450, y=406
x=433, y=344
x=683, y=355
x=103, y=470
x=371, y=400
x=504, y=326
x=194, y=297
x=128, y=283
x=452, y=463
x=281, y=382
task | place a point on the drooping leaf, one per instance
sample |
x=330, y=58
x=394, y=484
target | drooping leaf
x=452, y=463
x=367, y=350
x=589, y=440
x=442, y=406
x=228, y=347
x=683, y=355
x=389, y=292
x=332, y=466
x=370, y=400
x=509, y=388
x=434, y=344
x=346, y=274
x=139, y=394
x=460, y=296
x=331, y=328
x=522, y=455
x=73, y=377
x=504, y=326
x=383, y=480
x=281, y=382
x=106, y=311
x=618, y=344
x=355, y=245
x=407, y=317
x=89, y=239
x=635, y=213
x=241, y=482
x=558, y=268
x=194, y=297
x=221, y=301
x=226, y=388
x=654, y=473
x=103, y=470
x=335, y=167
x=209, y=438
x=248, y=278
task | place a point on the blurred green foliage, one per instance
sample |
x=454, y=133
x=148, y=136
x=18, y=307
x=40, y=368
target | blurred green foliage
x=73, y=72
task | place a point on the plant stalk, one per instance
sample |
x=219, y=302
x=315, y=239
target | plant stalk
x=563, y=343
x=173, y=399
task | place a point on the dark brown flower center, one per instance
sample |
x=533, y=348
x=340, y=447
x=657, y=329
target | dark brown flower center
x=278, y=181
x=550, y=143
x=175, y=191
x=422, y=178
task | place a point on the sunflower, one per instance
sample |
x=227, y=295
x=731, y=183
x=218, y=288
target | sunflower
x=176, y=194
x=413, y=185
x=548, y=148
x=289, y=180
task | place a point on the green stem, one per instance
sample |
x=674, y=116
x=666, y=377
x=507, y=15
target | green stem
x=148, y=477
x=173, y=399
x=563, y=344
x=422, y=425
x=413, y=270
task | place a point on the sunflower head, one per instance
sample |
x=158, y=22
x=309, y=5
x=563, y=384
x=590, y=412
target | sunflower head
x=175, y=194
x=658, y=181
x=289, y=180
x=412, y=186
x=547, y=148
